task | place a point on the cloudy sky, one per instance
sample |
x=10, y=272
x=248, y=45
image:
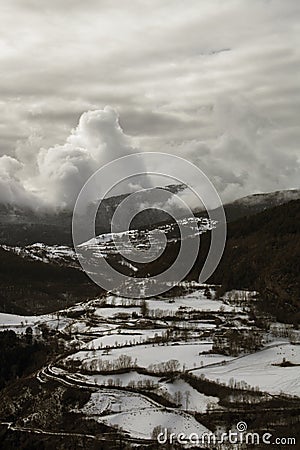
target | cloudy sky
x=214, y=81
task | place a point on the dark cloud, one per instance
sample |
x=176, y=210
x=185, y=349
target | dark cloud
x=148, y=123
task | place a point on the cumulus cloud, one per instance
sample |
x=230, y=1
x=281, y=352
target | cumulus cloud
x=12, y=190
x=53, y=177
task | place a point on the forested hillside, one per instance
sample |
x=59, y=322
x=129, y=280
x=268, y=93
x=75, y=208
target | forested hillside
x=34, y=287
x=263, y=253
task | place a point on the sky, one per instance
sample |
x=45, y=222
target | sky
x=82, y=83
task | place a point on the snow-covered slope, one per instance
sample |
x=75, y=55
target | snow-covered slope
x=104, y=244
x=57, y=254
x=262, y=369
x=269, y=199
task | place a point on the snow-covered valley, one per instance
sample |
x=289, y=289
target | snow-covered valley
x=144, y=364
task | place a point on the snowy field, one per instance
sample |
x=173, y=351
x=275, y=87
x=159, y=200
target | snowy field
x=145, y=355
x=180, y=392
x=258, y=370
x=191, y=400
x=122, y=379
x=141, y=422
x=195, y=300
x=19, y=323
x=108, y=312
x=12, y=320
x=110, y=401
x=137, y=414
x=123, y=338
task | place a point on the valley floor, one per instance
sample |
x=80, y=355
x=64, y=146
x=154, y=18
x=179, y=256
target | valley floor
x=134, y=375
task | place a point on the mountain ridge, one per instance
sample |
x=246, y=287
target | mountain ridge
x=24, y=227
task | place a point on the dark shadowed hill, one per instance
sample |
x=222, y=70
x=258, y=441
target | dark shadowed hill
x=253, y=204
x=263, y=253
x=33, y=287
x=24, y=227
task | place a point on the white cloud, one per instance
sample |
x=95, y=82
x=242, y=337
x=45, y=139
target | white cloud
x=12, y=190
x=54, y=176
